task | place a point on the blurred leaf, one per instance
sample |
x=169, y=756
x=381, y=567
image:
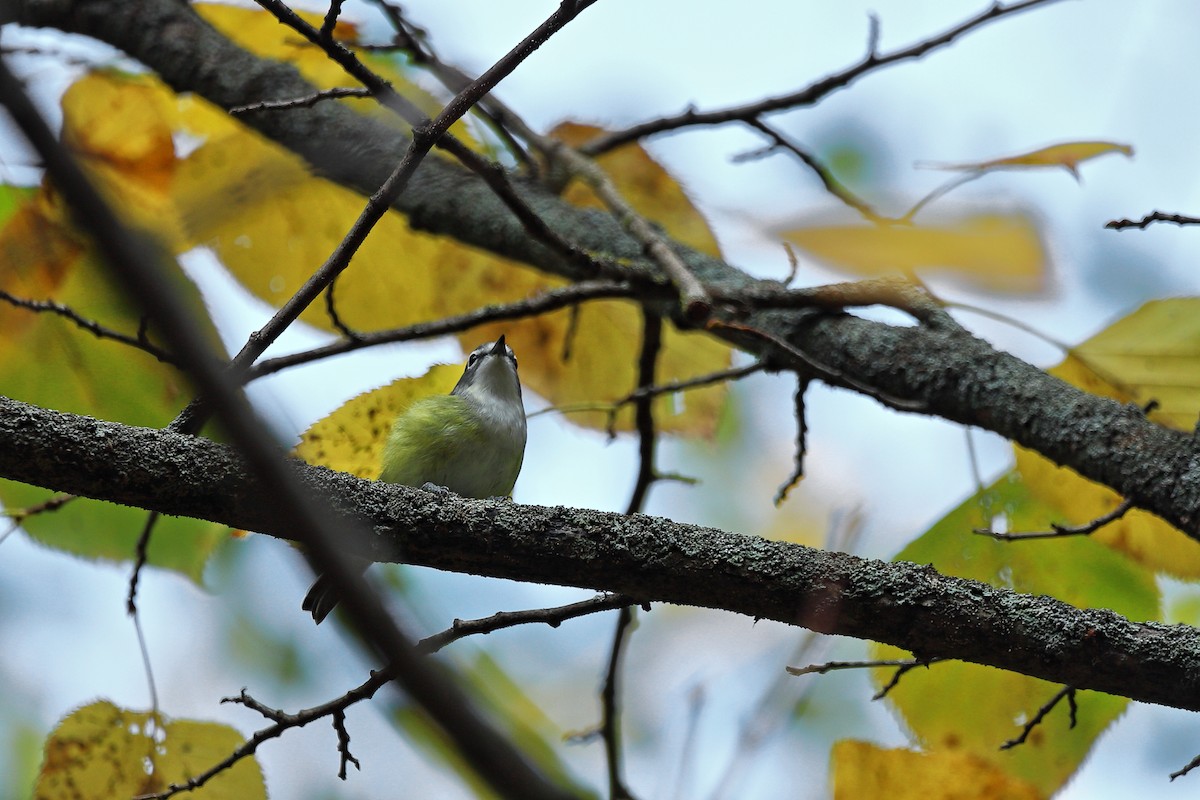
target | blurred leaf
x=1001, y=252
x=970, y=709
x=49, y=361
x=351, y=439
x=503, y=701
x=120, y=126
x=1067, y=155
x=1151, y=354
x=102, y=751
x=861, y=770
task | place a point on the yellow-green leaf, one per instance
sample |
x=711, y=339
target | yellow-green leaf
x=102, y=751
x=47, y=360
x=1151, y=354
x=996, y=251
x=351, y=439
x=862, y=770
x=934, y=702
x=1067, y=155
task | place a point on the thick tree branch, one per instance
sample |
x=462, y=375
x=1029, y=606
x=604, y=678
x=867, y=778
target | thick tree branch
x=647, y=558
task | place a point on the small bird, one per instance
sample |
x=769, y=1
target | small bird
x=471, y=441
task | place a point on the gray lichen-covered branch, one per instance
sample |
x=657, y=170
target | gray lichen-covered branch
x=646, y=558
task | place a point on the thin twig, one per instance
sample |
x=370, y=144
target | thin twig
x=343, y=744
x=835, y=666
x=611, y=721
x=812, y=93
x=901, y=671
x=801, y=443
x=141, y=553
x=307, y=101
x=823, y=371
x=1057, y=531
x=549, y=300
x=1016, y=323
x=140, y=341
x=335, y=319
x=1069, y=693
x=698, y=382
x=693, y=297
x=940, y=191
x=1145, y=222
x=643, y=409
x=902, y=665
x=831, y=183
x=508, y=619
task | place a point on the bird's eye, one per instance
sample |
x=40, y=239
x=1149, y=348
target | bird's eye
x=472, y=359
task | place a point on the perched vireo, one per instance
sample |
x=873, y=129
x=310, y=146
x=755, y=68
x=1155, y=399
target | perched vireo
x=471, y=441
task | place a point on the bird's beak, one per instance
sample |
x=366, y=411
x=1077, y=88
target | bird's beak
x=498, y=347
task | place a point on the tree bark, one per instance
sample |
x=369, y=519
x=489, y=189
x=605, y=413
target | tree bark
x=648, y=558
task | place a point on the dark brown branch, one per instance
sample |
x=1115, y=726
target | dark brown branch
x=831, y=183
x=643, y=410
x=610, y=725
x=140, y=341
x=801, y=444
x=816, y=369
x=338, y=718
x=812, y=93
x=507, y=619
x=902, y=669
x=698, y=382
x=1152, y=217
x=549, y=300
x=1067, y=692
x=1057, y=530
x=307, y=101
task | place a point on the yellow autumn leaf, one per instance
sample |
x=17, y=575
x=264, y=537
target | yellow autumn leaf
x=1067, y=155
x=645, y=185
x=862, y=770
x=1151, y=354
x=120, y=127
x=996, y=251
x=351, y=439
x=102, y=751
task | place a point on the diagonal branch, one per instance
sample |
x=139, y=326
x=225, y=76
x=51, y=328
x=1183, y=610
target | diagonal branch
x=814, y=92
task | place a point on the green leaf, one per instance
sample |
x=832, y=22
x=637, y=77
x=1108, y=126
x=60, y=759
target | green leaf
x=968, y=708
